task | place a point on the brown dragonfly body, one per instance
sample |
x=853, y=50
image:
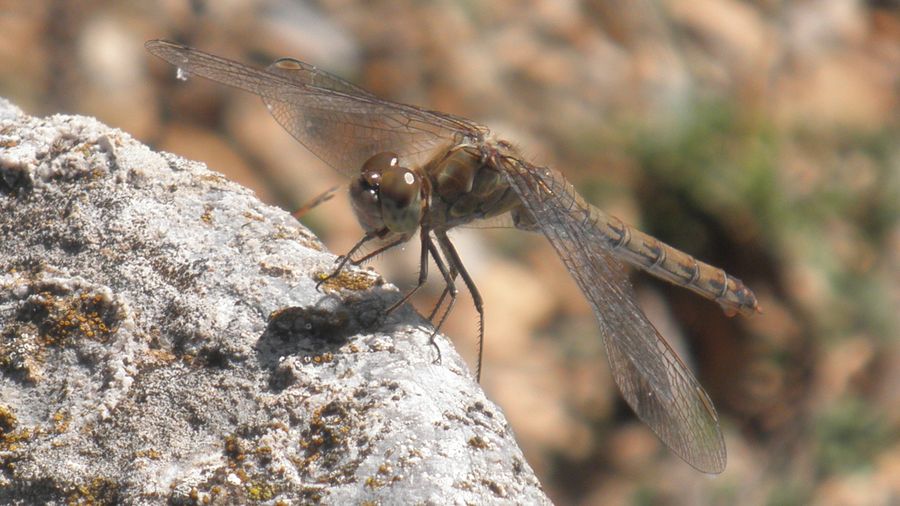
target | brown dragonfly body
x=468, y=184
x=419, y=171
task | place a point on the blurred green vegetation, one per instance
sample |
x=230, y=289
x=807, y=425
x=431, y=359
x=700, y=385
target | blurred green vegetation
x=849, y=435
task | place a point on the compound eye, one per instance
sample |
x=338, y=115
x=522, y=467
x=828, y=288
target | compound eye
x=366, y=206
x=375, y=166
x=400, y=186
x=401, y=199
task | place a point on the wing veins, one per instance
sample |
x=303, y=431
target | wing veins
x=651, y=377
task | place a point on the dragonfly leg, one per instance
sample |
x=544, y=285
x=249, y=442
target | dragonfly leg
x=373, y=254
x=343, y=259
x=440, y=301
x=423, y=271
x=449, y=276
x=457, y=265
x=315, y=202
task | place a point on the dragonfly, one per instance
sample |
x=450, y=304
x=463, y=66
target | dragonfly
x=417, y=171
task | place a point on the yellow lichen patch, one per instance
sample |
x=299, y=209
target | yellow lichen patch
x=240, y=461
x=233, y=449
x=383, y=477
x=100, y=490
x=328, y=430
x=323, y=358
x=7, y=421
x=61, y=422
x=85, y=149
x=8, y=438
x=348, y=279
x=207, y=216
x=282, y=232
x=373, y=482
x=60, y=319
x=148, y=454
x=259, y=491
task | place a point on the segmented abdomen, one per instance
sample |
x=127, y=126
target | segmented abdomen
x=664, y=261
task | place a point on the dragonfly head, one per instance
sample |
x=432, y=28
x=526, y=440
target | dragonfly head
x=386, y=197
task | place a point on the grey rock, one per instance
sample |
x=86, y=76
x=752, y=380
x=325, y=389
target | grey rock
x=162, y=340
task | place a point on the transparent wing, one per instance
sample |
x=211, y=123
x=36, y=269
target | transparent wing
x=337, y=121
x=494, y=222
x=304, y=74
x=653, y=380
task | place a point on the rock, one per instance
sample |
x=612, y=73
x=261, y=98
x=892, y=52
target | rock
x=162, y=340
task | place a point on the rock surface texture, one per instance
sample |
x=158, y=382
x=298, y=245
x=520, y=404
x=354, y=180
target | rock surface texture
x=162, y=340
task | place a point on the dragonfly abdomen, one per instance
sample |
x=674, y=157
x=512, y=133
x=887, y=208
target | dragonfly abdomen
x=675, y=266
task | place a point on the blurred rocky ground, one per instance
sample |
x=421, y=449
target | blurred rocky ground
x=759, y=136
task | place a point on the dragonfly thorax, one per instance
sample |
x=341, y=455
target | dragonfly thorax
x=466, y=185
x=387, y=198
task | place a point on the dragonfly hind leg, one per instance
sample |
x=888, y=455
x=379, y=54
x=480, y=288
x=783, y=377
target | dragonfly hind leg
x=457, y=266
x=428, y=248
x=449, y=276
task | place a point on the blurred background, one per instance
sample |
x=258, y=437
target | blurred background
x=760, y=136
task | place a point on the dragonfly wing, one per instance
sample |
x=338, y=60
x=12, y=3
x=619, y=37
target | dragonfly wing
x=339, y=122
x=653, y=380
x=304, y=74
x=345, y=131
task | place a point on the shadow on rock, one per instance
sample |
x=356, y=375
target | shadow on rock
x=317, y=331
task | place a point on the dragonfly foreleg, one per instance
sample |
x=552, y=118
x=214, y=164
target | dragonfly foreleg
x=315, y=202
x=343, y=259
x=368, y=256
